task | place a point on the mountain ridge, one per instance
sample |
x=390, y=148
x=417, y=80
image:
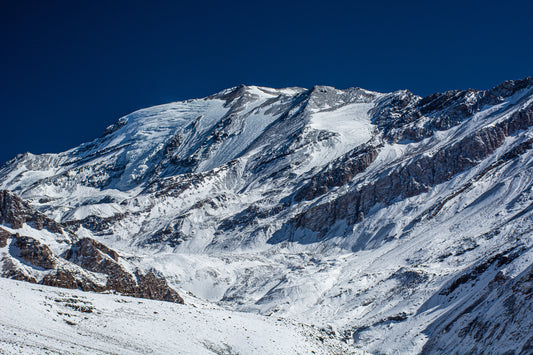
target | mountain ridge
x=347, y=209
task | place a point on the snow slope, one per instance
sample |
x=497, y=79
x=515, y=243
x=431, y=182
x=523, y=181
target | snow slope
x=38, y=319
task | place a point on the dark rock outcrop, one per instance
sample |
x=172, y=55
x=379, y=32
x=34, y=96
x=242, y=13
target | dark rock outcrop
x=404, y=117
x=11, y=271
x=154, y=286
x=418, y=175
x=170, y=235
x=340, y=172
x=33, y=252
x=499, y=312
x=84, y=266
x=98, y=225
x=65, y=278
x=14, y=212
x=4, y=236
x=98, y=258
x=84, y=262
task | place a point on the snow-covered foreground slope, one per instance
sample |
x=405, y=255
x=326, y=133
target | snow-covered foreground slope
x=394, y=222
x=39, y=319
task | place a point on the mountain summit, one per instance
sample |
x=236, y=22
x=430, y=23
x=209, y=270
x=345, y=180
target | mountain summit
x=394, y=222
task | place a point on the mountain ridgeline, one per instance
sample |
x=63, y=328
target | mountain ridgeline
x=394, y=222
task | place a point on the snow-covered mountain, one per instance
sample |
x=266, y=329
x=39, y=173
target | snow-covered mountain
x=394, y=222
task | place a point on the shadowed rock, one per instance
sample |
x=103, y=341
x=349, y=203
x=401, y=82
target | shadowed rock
x=33, y=252
x=84, y=262
x=98, y=258
x=417, y=176
x=14, y=212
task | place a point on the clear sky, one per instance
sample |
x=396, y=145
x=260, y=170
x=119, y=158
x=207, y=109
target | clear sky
x=71, y=68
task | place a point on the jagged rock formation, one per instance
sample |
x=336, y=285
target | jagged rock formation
x=33, y=252
x=15, y=212
x=76, y=263
x=361, y=212
x=497, y=315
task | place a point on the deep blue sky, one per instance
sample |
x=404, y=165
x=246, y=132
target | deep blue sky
x=70, y=68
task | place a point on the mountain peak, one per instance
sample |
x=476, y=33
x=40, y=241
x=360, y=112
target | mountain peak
x=378, y=217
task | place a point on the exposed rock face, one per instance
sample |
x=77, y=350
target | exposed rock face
x=407, y=117
x=501, y=320
x=98, y=258
x=152, y=285
x=34, y=252
x=89, y=253
x=170, y=235
x=99, y=225
x=65, y=278
x=11, y=271
x=14, y=212
x=4, y=235
x=85, y=263
x=418, y=175
x=338, y=173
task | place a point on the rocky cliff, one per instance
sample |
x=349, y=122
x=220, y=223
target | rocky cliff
x=75, y=263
